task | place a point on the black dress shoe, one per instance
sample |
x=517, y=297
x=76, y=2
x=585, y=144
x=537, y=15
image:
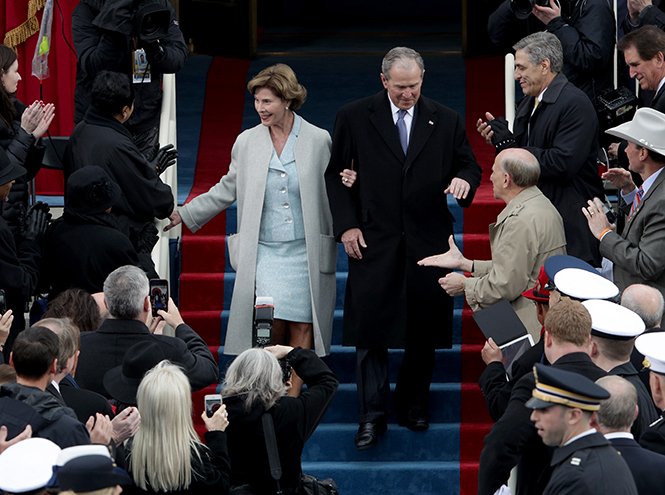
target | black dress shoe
x=369, y=433
x=414, y=420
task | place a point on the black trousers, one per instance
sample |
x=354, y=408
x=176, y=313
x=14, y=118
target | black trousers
x=411, y=390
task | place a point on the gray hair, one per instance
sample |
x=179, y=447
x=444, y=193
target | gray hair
x=523, y=172
x=540, y=46
x=164, y=398
x=618, y=412
x=257, y=373
x=68, y=336
x=646, y=301
x=401, y=55
x=125, y=290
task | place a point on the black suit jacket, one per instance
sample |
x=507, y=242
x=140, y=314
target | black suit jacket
x=648, y=468
x=514, y=440
x=105, y=349
x=399, y=204
x=647, y=409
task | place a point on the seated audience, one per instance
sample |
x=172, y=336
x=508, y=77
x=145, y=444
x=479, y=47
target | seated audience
x=614, y=420
x=87, y=243
x=26, y=402
x=126, y=293
x=255, y=384
x=78, y=306
x=184, y=464
x=27, y=467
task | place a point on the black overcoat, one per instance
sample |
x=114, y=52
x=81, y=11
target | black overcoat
x=563, y=135
x=400, y=206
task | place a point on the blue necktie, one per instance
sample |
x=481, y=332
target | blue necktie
x=401, y=130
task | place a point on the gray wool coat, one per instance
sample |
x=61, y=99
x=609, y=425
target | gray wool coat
x=246, y=183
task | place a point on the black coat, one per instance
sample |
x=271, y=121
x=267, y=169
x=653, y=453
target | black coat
x=21, y=405
x=514, y=440
x=100, y=49
x=654, y=437
x=101, y=140
x=637, y=360
x=564, y=138
x=84, y=403
x=106, y=347
x=647, y=409
x=495, y=385
x=294, y=419
x=21, y=150
x=648, y=468
x=19, y=271
x=79, y=253
x=210, y=476
x=399, y=205
x=591, y=466
x=586, y=33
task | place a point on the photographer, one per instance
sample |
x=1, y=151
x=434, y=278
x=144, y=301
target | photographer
x=585, y=28
x=255, y=384
x=109, y=35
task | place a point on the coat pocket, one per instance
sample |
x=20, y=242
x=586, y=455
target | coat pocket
x=232, y=244
x=328, y=254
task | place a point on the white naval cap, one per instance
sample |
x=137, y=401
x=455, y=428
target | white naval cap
x=583, y=285
x=70, y=453
x=27, y=465
x=652, y=345
x=612, y=321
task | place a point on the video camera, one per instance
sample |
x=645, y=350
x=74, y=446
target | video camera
x=151, y=21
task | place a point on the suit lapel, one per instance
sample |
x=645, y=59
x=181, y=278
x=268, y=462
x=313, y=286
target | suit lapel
x=657, y=96
x=382, y=120
x=652, y=190
x=424, y=122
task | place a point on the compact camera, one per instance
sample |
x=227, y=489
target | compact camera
x=523, y=8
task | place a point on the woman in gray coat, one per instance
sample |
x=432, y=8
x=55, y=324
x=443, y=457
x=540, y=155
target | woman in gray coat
x=285, y=247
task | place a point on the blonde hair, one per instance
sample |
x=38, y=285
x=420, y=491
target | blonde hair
x=164, y=399
x=102, y=491
x=282, y=80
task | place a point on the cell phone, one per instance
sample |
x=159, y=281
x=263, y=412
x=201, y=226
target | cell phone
x=3, y=302
x=212, y=403
x=159, y=295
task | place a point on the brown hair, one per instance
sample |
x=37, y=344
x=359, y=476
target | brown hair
x=77, y=305
x=7, y=108
x=282, y=80
x=569, y=321
x=7, y=373
x=647, y=41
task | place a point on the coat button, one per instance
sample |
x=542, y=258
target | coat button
x=286, y=205
x=282, y=174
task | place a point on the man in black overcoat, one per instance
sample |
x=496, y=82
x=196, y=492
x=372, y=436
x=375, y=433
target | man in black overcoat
x=409, y=152
x=557, y=123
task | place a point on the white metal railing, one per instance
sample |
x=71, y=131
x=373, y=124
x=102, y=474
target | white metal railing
x=509, y=82
x=167, y=135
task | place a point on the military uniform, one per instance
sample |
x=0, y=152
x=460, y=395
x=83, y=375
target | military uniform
x=589, y=465
x=654, y=437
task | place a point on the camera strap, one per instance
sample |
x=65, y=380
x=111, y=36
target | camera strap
x=271, y=447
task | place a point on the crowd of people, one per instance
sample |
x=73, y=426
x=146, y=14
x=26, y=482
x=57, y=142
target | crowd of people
x=95, y=381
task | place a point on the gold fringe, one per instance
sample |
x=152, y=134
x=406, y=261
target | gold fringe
x=31, y=26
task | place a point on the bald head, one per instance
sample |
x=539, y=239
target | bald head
x=521, y=165
x=646, y=301
x=619, y=411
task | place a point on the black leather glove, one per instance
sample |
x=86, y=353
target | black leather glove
x=502, y=137
x=34, y=222
x=145, y=238
x=154, y=50
x=166, y=157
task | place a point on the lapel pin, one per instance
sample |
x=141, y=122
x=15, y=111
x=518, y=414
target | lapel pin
x=431, y=123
